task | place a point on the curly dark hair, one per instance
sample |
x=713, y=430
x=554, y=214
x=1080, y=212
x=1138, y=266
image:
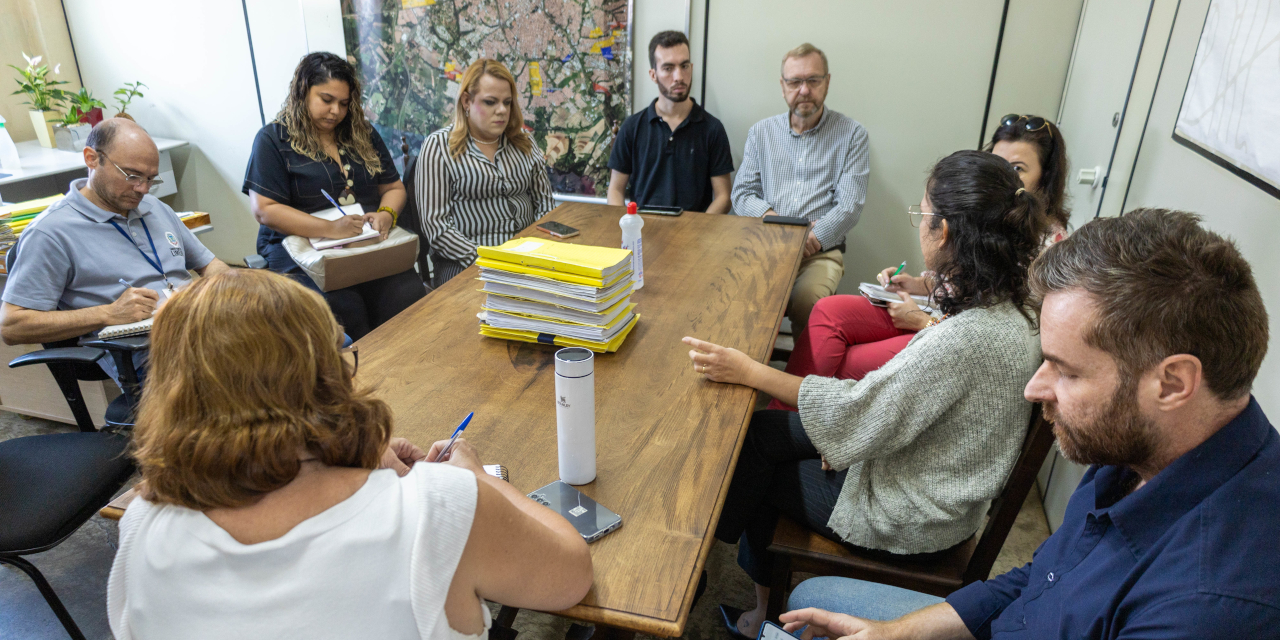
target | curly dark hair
x=354, y=133
x=994, y=230
x=1051, y=149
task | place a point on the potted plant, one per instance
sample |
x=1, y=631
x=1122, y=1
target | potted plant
x=71, y=133
x=126, y=94
x=43, y=96
x=86, y=106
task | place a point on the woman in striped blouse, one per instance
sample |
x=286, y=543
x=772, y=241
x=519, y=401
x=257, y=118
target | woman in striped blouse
x=480, y=180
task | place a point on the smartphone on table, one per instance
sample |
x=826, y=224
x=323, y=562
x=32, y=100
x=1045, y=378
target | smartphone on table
x=659, y=210
x=557, y=230
x=590, y=518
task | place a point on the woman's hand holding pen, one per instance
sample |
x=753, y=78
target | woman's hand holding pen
x=916, y=286
x=462, y=454
x=345, y=227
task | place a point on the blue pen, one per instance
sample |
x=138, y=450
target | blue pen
x=456, y=432
x=331, y=200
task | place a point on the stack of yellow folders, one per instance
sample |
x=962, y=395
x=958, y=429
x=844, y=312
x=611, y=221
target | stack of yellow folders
x=556, y=293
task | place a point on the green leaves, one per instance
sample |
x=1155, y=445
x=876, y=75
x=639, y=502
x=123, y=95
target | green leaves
x=127, y=93
x=34, y=81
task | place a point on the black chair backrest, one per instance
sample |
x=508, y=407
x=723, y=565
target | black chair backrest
x=409, y=219
x=1004, y=509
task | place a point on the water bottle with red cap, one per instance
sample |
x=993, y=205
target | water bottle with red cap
x=631, y=223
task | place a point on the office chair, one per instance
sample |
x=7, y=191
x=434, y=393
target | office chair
x=50, y=485
x=71, y=361
x=410, y=220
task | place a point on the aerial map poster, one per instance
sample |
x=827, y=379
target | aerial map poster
x=1232, y=101
x=571, y=60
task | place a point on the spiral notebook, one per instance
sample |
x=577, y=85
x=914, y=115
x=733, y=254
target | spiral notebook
x=125, y=330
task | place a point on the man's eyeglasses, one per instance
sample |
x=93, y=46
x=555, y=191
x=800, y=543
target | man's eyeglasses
x=1033, y=123
x=917, y=215
x=133, y=180
x=355, y=358
x=793, y=84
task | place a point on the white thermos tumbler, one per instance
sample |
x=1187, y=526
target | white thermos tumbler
x=576, y=414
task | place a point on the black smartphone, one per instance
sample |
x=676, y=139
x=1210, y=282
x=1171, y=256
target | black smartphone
x=590, y=518
x=557, y=230
x=799, y=222
x=659, y=210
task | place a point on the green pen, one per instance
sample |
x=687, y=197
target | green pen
x=900, y=268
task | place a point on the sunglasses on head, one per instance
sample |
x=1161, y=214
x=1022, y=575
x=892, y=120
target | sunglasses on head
x=1034, y=123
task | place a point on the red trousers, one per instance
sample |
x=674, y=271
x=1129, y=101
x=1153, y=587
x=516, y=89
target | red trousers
x=847, y=338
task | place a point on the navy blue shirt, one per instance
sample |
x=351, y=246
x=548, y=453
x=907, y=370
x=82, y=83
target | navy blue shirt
x=672, y=168
x=278, y=172
x=1191, y=554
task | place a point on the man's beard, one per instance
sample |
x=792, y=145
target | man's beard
x=1118, y=434
x=672, y=95
x=811, y=106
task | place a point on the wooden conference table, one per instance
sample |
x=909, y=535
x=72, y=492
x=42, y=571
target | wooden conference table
x=667, y=440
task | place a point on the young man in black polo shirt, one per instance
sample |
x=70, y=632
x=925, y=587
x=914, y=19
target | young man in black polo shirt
x=673, y=153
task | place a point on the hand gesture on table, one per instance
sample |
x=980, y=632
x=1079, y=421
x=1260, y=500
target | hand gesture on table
x=720, y=364
x=907, y=314
x=829, y=625
x=381, y=221
x=400, y=455
x=462, y=455
x=136, y=303
x=345, y=227
x=916, y=286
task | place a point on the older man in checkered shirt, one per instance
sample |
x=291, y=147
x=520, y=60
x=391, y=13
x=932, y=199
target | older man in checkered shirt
x=812, y=163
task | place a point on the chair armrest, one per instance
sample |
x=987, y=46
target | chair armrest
x=83, y=355
x=124, y=345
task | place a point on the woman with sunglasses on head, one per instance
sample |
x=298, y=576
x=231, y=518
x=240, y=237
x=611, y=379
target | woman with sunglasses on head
x=481, y=179
x=1037, y=151
x=904, y=459
x=277, y=505
x=322, y=142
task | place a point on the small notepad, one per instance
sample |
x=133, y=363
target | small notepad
x=124, y=330
x=333, y=214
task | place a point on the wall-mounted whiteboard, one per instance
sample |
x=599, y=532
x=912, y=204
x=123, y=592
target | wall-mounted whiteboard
x=1231, y=108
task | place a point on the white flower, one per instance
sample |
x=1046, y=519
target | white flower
x=36, y=60
x=27, y=58
x=57, y=69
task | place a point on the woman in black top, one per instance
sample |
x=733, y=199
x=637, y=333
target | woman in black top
x=321, y=140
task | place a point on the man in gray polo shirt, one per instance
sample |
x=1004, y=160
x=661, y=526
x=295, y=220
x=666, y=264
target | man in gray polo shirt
x=811, y=163
x=65, y=272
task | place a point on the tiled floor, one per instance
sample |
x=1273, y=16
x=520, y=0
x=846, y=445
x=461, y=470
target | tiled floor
x=78, y=570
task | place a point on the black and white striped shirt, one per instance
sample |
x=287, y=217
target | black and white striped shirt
x=469, y=201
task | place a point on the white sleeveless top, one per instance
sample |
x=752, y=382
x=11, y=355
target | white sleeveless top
x=376, y=565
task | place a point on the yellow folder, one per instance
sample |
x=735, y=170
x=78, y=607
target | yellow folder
x=560, y=341
x=560, y=257
x=558, y=276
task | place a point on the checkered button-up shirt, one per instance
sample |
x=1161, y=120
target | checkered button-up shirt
x=820, y=175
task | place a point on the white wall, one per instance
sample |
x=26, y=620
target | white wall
x=914, y=74
x=1170, y=175
x=194, y=59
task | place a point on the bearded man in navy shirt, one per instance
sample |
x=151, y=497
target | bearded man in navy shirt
x=1153, y=330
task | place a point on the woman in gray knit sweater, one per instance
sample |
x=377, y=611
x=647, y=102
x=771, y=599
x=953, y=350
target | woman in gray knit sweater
x=905, y=459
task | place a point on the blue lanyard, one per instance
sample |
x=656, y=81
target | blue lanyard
x=154, y=263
